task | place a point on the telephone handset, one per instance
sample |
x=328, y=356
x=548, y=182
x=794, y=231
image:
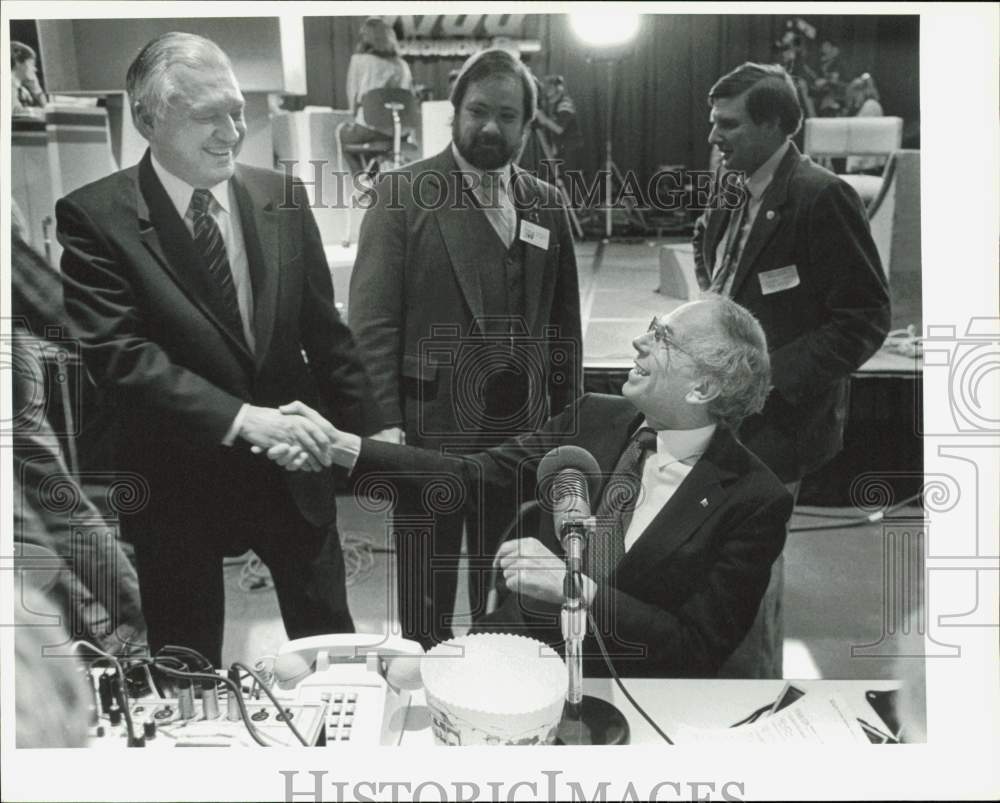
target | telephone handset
x=364, y=678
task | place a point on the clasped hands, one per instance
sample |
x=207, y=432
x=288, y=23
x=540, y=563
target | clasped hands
x=296, y=437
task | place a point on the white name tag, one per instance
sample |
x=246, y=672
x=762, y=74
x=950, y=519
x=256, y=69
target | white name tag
x=774, y=281
x=535, y=235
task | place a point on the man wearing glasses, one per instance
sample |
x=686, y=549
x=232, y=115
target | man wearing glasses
x=674, y=576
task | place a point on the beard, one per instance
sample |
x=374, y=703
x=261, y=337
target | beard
x=484, y=151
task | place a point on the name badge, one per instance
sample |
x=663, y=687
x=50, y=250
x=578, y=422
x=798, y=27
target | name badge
x=535, y=235
x=774, y=281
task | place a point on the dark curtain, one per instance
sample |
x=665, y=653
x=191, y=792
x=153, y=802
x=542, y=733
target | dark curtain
x=661, y=79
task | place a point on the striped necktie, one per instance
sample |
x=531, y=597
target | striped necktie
x=621, y=492
x=731, y=253
x=212, y=248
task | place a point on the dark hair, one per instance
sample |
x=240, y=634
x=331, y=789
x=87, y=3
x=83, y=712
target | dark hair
x=20, y=53
x=489, y=64
x=377, y=38
x=770, y=94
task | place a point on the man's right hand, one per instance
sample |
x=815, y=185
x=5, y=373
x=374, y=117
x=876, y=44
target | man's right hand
x=265, y=427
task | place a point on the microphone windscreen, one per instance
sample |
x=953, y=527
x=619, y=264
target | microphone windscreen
x=563, y=457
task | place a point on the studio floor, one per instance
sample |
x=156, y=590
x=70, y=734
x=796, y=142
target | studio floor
x=843, y=613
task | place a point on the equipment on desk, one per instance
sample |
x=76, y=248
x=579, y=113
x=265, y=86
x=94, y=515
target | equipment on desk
x=334, y=689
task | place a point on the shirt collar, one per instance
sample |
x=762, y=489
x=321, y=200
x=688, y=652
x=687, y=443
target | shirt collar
x=761, y=178
x=674, y=445
x=180, y=192
x=503, y=173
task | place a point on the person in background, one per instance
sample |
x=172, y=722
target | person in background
x=797, y=252
x=202, y=296
x=376, y=64
x=467, y=312
x=557, y=118
x=828, y=87
x=26, y=90
x=863, y=100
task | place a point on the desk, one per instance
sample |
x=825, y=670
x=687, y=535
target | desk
x=670, y=702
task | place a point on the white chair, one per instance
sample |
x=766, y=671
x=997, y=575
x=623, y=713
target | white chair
x=835, y=137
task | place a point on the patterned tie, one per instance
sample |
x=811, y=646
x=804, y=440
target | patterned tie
x=618, y=500
x=731, y=254
x=209, y=243
x=498, y=207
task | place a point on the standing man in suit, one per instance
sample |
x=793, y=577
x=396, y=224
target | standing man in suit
x=198, y=284
x=465, y=303
x=798, y=253
x=689, y=521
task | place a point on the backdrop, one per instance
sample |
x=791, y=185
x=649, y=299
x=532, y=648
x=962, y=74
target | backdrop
x=659, y=109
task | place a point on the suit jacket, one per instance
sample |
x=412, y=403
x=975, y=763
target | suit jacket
x=821, y=329
x=417, y=276
x=686, y=593
x=154, y=338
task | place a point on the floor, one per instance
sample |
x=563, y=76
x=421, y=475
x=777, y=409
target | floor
x=842, y=618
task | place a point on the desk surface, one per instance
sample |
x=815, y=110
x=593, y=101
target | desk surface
x=698, y=703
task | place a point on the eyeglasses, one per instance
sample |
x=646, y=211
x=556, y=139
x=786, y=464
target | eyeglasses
x=661, y=334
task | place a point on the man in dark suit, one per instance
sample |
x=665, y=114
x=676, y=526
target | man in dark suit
x=197, y=285
x=689, y=521
x=797, y=252
x=465, y=303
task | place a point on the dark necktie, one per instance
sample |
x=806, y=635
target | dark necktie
x=621, y=492
x=212, y=248
x=731, y=253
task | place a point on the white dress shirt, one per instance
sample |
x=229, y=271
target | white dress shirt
x=493, y=193
x=226, y=215
x=677, y=450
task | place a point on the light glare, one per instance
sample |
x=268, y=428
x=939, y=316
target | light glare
x=604, y=28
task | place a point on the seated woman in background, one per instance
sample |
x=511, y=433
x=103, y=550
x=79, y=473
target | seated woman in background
x=375, y=65
x=862, y=100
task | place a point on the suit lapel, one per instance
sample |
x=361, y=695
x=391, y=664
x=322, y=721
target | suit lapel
x=698, y=497
x=768, y=217
x=168, y=240
x=460, y=231
x=262, y=236
x=537, y=280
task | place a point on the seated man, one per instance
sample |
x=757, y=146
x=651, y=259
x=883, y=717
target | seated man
x=674, y=580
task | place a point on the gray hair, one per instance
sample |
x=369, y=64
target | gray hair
x=149, y=83
x=734, y=353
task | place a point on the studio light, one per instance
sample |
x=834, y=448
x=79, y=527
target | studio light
x=606, y=33
x=604, y=28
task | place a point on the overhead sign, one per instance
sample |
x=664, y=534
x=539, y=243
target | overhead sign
x=463, y=26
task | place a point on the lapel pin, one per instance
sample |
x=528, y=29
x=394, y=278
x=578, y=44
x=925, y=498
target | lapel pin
x=770, y=214
x=704, y=502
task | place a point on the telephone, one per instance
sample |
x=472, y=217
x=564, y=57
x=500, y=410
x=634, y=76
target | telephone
x=364, y=679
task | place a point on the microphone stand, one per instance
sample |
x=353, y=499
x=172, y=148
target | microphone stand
x=586, y=719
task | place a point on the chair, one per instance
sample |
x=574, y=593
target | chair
x=835, y=137
x=391, y=116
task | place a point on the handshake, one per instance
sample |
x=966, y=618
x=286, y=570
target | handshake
x=298, y=438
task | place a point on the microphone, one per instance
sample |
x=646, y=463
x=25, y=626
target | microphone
x=566, y=475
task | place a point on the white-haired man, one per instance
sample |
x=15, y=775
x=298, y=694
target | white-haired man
x=198, y=284
x=689, y=521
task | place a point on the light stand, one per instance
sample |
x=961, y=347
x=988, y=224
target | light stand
x=611, y=171
x=586, y=719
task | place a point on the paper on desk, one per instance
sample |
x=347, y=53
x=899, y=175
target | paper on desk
x=816, y=718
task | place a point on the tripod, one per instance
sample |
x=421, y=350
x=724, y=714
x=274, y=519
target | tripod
x=611, y=172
